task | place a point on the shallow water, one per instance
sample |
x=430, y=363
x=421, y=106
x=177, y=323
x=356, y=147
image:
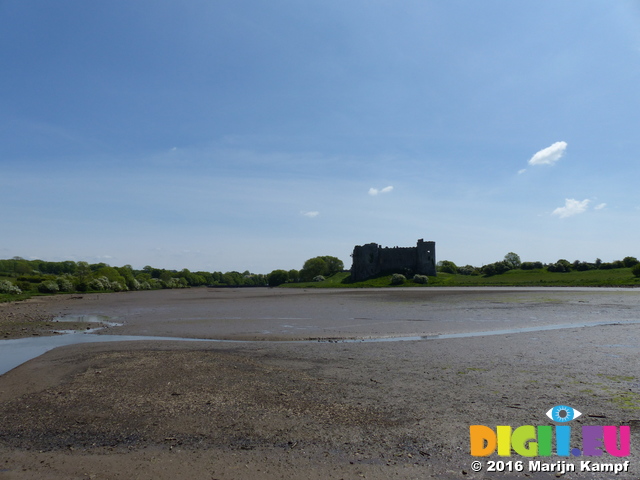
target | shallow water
x=18, y=351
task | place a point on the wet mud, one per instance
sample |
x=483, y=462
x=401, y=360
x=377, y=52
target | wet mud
x=169, y=409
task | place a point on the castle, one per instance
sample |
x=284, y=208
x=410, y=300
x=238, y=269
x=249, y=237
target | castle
x=372, y=259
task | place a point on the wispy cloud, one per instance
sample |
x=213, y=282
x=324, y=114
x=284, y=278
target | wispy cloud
x=374, y=191
x=549, y=155
x=571, y=207
x=600, y=206
x=310, y=214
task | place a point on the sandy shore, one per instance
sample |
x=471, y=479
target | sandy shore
x=262, y=409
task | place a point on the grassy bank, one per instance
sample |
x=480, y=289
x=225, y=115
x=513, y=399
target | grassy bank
x=619, y=277
x=526, y=278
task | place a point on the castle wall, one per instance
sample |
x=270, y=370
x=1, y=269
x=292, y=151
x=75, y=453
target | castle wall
x=370, y=260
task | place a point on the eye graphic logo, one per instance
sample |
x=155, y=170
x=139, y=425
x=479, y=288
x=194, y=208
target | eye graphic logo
x=562, y=413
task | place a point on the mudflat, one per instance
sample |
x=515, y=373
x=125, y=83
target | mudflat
x=288, y=398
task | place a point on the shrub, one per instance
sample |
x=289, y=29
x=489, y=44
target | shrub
x=7, y=287
x=24, y=286
x=630, y=261
x=398, y=279
x=531, y=265
x=496, y=268
x=32, y=278
x=48, y=287
x=636, y=269
x=96, y=284
x=65, y=285
x=502, y=267
x=447, y=266
x=468, y=270
x=117, y=286
x=489, y=270
x=318, y=278
x=583, y=266
x=420, y=279
x=561, y=266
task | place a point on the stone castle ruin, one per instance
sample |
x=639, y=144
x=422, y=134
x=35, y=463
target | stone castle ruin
x=371, y=259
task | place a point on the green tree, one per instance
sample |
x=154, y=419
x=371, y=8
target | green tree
x=22, y=267
x=312, y=268
x=232, y=278
x=294, y=275
x=278, y=277
x=83, y=271
x=112, y=274
x=447, y=266
x=512, y=260
x=324, y=265
x=630, y=261
x=334, y=265
x=561, y=266
x=165, y=276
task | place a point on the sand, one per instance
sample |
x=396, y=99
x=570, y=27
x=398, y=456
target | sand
x=280, y=406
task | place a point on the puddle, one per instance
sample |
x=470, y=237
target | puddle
x=103, y=320
x=14, y=352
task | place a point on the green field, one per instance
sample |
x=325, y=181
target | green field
x=527, y=278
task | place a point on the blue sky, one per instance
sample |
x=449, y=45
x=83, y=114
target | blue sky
x=247, y=135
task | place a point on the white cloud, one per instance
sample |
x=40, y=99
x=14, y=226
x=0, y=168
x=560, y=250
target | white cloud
x=549, y=155
x=571, y=207
x=374, y=191
x=520, y=172
x=310, y=214
x=600, y=206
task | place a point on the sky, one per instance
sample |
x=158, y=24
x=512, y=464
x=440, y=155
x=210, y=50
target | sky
x=252, y=135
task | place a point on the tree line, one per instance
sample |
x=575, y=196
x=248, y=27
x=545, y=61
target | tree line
x=69, y=276
x=31, y=276
x=18, y=275
x=512, y=261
